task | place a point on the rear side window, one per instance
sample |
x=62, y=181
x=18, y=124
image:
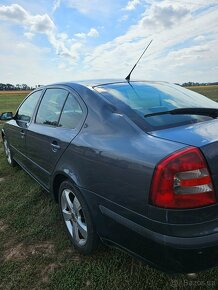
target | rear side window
x=71, y=114
x=51, y=106
x=26, y=110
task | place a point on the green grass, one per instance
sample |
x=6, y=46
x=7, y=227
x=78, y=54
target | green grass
x=10, y=100
x=35, y=252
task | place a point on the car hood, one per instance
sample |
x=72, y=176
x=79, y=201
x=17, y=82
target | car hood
x=203, y=135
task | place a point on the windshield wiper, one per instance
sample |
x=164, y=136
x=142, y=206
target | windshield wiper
x=188, y=111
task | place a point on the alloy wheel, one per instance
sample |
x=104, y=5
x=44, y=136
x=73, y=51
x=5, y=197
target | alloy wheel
x=74, y=217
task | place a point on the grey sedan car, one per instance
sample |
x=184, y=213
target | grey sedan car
x=132, y=164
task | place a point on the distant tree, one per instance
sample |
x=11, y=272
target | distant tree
x=24, y=87
x=9, y=87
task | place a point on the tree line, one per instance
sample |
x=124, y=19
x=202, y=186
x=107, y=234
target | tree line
x=17, y=87
x=193, y=84
x=24, y=87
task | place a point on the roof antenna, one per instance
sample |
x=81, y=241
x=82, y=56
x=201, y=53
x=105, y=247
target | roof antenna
x=128, y=77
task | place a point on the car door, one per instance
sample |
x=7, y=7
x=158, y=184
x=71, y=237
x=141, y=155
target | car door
x=57, y=122
x=17, y=128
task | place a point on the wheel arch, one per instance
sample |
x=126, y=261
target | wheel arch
x=58, y=178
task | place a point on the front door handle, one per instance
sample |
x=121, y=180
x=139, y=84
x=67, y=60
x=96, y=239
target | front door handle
x=55, y=147
x=22, y=133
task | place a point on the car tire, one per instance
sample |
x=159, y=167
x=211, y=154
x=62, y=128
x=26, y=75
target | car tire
x=77, y=219
x=8, y=152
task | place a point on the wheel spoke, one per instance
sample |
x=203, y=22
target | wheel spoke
x=82, y=228
x=76, y=206
x=66, y=214
x=67, y=200
x=76, y=232
x=69, y=227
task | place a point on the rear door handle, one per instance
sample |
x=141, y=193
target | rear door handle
x=55, y=147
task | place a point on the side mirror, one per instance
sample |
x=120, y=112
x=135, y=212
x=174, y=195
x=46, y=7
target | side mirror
x=6, y=116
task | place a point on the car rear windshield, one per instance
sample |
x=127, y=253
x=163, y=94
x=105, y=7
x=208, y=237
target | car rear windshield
x=147, y=98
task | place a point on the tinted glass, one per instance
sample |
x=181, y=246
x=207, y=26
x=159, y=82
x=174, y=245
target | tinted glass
x=51, y=106
x=146, y=98
x=71, y=114
x=26, y=110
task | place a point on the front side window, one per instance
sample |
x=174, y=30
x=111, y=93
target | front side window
x=26, y=110
x=51, y=106
x=71, y=114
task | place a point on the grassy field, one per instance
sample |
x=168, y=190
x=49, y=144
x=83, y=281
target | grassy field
x=10, y=100
x=35, y=252
x=208, y=91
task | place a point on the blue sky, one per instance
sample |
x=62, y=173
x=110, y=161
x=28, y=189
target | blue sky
x=46, y=41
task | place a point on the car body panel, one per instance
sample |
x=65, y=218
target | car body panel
x=42, y=156
x=16, y=136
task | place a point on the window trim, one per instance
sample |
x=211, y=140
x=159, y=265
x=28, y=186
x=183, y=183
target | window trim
x=36, y=106
x=62, y=109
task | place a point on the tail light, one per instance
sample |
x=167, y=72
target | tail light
x=182, y=180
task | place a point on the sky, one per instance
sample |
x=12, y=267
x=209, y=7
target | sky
x=47, y=41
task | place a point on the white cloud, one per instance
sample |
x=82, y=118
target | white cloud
x=188, y=54
x=21, y=62
x=24, y=62
x=80, y=35
x=199, y=38
x=14, y=13
x=29, y=35
x=123, y=18
x=56, y=5
x=92, y=8
x=93, y=32
x=40, y=24
x=171, y=29
x=131, y=5
x=35, y=23
x=164, y=15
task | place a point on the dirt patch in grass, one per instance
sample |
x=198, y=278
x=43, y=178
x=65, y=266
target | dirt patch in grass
x=22, y=251
x=3, y=226
x=2, y=179
x=49, y=270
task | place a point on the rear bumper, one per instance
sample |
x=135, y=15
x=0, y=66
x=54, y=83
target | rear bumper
x=168, y=253
x=119, y=227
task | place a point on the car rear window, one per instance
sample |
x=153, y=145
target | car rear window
x=147, y=98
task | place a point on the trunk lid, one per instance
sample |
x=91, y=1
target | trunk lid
x=203, y=135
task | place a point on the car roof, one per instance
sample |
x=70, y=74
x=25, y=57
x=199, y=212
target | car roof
x=100, y=82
